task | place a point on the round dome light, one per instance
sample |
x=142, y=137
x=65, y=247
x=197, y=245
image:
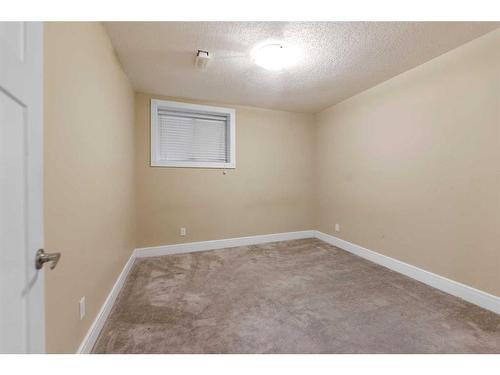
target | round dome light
x=275, y=56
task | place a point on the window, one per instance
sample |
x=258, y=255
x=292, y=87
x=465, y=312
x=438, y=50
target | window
x=191, y=135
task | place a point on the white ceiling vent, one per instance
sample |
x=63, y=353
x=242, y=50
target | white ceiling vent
x=202, y=59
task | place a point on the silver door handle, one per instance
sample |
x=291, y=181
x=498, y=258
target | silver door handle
x=42, y=257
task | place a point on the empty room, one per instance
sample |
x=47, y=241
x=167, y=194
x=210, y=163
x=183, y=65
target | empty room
x=250, y=187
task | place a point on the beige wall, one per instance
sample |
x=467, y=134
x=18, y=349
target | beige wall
x=410, y=168
x=270, y=190
x=89, y=185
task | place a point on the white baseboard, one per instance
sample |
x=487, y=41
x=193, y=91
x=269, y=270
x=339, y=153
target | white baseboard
x=467, y=293
x=475, y=296
x=221, y=244
x=94, y=330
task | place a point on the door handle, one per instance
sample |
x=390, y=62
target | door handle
x=43, y=257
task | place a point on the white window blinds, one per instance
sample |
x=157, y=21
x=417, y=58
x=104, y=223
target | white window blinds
x=188, y=135
x=192, y=137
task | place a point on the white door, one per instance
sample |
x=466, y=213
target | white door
x=22, y=318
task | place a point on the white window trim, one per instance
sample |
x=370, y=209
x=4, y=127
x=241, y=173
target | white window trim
x=205, y=109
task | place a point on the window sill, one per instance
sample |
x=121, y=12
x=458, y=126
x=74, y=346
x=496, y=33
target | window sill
x=182, y=164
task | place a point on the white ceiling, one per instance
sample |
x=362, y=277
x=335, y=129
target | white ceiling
x=339, y=59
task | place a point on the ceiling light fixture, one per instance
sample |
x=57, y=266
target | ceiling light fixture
x=275, y=56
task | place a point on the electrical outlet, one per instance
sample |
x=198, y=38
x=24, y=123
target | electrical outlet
x=183, y=231
x=81, y=304
x=337, y=227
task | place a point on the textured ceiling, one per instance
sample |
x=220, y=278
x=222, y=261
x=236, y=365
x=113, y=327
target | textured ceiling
x=339, y=59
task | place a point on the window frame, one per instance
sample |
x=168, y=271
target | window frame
x=230, y=113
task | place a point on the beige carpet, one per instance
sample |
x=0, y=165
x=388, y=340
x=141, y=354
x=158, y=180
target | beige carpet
x=302, y=296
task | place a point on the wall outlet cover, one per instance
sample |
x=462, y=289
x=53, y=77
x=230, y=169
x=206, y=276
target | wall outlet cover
x=81, y=305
